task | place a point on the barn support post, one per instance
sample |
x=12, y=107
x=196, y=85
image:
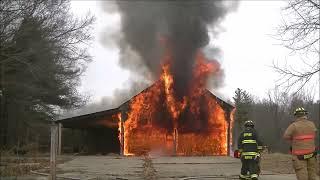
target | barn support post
x=228, y=136
x=123, y=117
x=175, y=141
x=53, y=150
x=122, y=134
x=59, y=138
x=228, y=118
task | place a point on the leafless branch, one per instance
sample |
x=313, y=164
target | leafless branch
x=299, y=32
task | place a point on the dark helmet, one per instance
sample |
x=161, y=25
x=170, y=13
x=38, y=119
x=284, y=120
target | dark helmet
x=300, y=112
x=249, y=123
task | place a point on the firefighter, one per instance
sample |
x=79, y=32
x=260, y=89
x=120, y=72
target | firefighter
x=249, y=145
x=301, y=134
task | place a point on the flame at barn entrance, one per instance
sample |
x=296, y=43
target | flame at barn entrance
x=161, y=122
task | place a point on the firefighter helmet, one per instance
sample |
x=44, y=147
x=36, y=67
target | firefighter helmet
x=249, y=123
x=300, y=111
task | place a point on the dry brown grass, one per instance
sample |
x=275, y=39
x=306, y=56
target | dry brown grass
x=12, y=164
x=149, y=173
x=276, y=162
x=279, y=163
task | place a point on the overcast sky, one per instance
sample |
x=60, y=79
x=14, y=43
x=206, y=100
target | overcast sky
x=248, y=50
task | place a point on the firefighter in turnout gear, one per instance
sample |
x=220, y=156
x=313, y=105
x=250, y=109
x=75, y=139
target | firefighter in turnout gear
x=249, y=146
x=301, y=134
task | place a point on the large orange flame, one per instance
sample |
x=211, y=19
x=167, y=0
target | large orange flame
x=159, y=123
x=174, y=107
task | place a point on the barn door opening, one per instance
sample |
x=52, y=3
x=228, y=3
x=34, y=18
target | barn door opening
x=104, y=141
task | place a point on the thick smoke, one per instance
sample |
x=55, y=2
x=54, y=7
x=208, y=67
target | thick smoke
x=183, y=24
x=144, y=25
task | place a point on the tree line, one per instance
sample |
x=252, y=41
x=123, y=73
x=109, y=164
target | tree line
x=272, y=115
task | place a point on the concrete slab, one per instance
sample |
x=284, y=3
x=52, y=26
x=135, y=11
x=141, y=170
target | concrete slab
x=205, y=168
x=166, y=168
x=189, y=167
x=278, y=177
x=102, y=167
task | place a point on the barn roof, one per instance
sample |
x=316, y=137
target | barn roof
x=220, y=100
x=96, y=119
x=107, y=118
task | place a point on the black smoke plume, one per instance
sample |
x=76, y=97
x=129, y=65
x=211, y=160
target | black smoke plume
x=184, y=24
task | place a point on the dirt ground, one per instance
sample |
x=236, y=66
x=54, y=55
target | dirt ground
x=274, y=166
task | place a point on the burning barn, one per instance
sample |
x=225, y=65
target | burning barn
x=137, y=128
x=177, y=114
x=155, y=122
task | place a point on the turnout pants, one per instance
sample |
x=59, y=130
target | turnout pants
x=305, y=169
x=249, y=168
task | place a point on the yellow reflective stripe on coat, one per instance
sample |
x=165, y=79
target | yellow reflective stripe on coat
x=248, y=157
x=249, y=153
x=260, y=147
x=249, y=141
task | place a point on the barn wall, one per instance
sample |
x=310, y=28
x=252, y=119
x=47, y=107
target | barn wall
x=90, y=141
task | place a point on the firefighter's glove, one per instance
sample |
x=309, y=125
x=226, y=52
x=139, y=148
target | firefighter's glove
x=257, y=157
x=240, y=152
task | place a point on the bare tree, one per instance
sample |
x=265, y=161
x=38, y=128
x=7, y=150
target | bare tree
x=274, y=113
x=299, y=32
